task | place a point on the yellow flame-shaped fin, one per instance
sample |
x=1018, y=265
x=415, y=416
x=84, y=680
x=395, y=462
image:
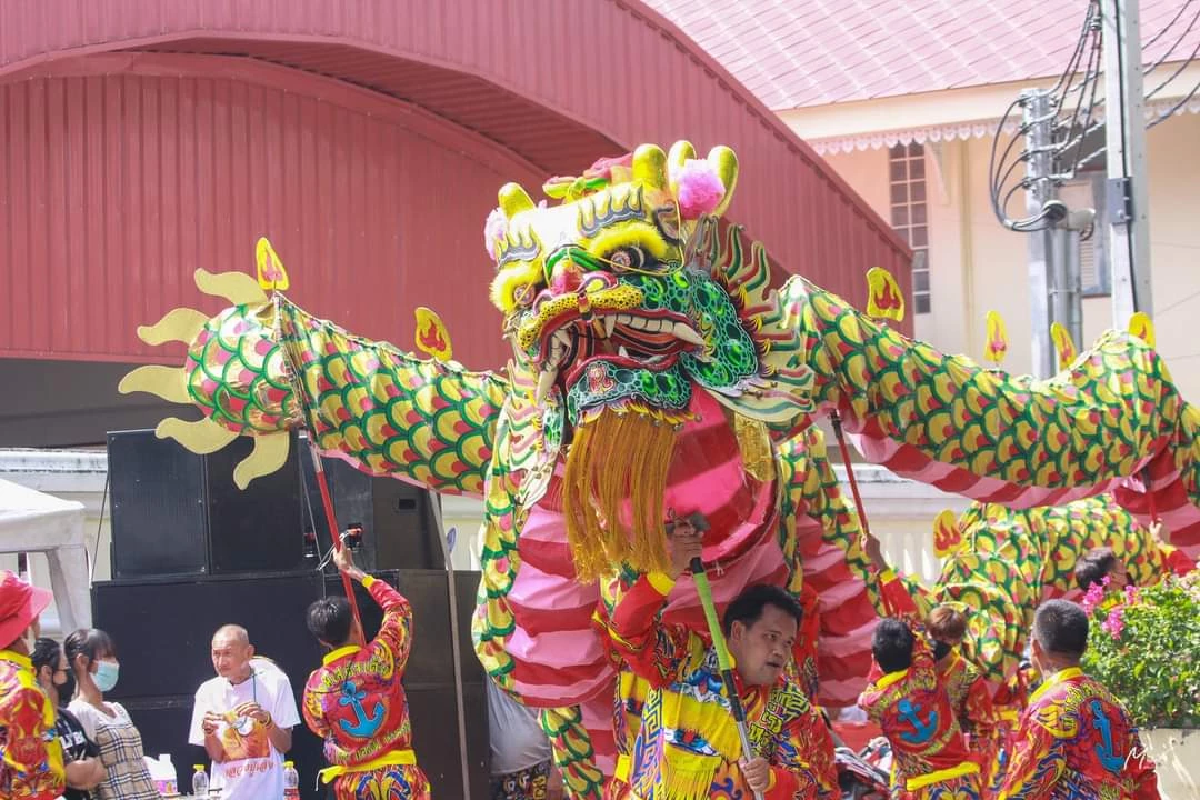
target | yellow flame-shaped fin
x=269, y=453
x=997, y=338
x=236, y=287
x=177, y=325
x=169, y=383
x=885, y=301
x=271, y=274
x=201, y=437
x=1141, y=327
x=1064, y=345
x=432, y=336
x=946, y=535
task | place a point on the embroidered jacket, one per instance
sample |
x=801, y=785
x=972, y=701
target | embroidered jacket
x=1010, y=701
x=355, y=702
x=31, y=761
x=688, y=745
x=1076, y=740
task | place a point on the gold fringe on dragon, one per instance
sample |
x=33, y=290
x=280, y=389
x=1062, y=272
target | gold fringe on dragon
x=655, y=370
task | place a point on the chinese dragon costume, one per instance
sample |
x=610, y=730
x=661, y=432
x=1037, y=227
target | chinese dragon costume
x=656, y=370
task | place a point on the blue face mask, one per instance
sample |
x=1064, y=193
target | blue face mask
x=106, y=675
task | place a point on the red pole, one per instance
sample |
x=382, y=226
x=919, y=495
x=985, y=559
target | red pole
x=836, y=421
x=334, y=531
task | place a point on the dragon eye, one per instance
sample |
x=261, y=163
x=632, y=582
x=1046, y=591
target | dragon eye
x=524, y=294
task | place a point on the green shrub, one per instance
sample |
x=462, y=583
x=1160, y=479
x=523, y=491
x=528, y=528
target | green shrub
x=1144, y=645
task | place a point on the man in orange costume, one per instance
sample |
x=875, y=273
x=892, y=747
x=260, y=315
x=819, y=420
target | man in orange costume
x=1075, y=740
x=687, y=745
x=31, y=761
x=355, y=702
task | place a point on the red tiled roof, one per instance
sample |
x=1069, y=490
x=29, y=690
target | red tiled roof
x=798, y=53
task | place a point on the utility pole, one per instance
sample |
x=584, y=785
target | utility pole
x=1128, y=191
x=1039, y=174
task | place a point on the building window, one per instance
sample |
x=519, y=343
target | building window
x=910, y=214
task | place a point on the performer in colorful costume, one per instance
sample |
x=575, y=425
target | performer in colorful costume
x=355, y=701
x=1001, y=563
x=645, y=332
x=968, y=690
x=688, y=743
x=1075, y=740
x=31, y=759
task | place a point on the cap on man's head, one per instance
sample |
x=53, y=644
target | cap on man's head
x=20, y=605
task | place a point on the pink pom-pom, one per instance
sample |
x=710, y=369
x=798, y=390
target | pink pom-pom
x=700, y=189
x=494, y=230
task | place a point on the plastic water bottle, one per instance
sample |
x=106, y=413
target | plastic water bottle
x=291, y=782
x=199, y=781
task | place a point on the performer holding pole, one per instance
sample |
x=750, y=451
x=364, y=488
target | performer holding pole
x=693, y=743
x=355, y=702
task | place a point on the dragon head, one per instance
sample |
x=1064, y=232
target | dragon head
x=622, y=302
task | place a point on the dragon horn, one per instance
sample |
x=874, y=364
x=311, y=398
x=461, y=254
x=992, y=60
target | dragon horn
x=724, y=162
x=514, y=199
x=650, y=166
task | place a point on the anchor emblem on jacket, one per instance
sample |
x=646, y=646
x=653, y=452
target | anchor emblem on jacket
x=924, y=730
x=366, y=725
x=1104, y=751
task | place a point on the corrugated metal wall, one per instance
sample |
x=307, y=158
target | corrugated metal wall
x=551, y=85
x=117, y=188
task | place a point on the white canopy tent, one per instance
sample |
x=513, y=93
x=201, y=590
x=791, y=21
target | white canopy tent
x=32, y=521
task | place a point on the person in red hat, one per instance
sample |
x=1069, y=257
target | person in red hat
x=31, y=762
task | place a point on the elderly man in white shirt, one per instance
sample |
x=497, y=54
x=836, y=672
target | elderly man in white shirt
x=243, y=718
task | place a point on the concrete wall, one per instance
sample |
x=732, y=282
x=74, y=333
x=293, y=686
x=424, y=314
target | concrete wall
x=976, y=265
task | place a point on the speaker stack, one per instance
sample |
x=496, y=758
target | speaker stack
x=191, y=552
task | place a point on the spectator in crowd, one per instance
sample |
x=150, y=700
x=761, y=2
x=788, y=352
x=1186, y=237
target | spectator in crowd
x=244, y=718
x=81, y=756
x=92, y=656
x=31, y=765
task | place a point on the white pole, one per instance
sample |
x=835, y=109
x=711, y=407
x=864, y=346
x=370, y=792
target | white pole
x=1128, y=191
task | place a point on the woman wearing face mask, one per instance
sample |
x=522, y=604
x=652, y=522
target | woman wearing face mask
x=93, y=660
x=81, y=757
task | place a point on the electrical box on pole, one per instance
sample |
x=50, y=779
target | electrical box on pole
x=1127, y=190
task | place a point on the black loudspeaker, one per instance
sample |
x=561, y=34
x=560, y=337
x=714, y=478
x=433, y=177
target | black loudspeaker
x=165, y=657
x=175, y=513
x=178, y=514
x=397, y=520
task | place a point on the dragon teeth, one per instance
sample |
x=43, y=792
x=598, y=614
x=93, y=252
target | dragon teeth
x=686, y=333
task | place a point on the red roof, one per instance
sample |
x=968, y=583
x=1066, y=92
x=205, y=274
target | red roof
x=102, y=141
x=794, y=55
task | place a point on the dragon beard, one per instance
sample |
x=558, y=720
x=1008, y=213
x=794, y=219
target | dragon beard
x=613, y=490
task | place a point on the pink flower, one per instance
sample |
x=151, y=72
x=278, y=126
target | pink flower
x=1132, y=595
x=1114, y=624
x=700, y=188
x=1093, y=598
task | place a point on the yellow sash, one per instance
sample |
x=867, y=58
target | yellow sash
x=405, y=757
x=963, y=769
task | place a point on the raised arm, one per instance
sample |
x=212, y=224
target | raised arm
x=395, y=633
x=653, y=650
x=898, y=597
